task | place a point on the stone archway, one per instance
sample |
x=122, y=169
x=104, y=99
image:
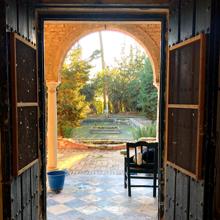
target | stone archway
x=59, y=38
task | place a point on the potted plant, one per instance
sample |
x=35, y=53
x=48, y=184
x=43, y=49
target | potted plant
x=56, y=180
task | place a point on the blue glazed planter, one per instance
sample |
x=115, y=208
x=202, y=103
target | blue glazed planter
x=56, y=180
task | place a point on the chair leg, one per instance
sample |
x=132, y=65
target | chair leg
x=129, y=183
x=125, y=173
x=155, y=185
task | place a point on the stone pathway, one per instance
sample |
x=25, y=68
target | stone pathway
x=108, y=162
x=94, y=190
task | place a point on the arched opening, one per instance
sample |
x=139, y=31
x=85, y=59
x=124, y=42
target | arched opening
x=148, y=35
x=145, y=42
x=55, y=61
x=118, y=81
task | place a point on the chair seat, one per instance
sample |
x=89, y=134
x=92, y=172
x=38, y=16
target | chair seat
x=141, y=170
x=144, y=166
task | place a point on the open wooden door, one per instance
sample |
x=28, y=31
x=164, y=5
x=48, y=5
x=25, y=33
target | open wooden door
x=22, y=114
x=184, y=124
x=217, y=158
x=189, y=25
x=185, y=106
x=25, y=133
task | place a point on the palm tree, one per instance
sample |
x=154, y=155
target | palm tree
x=105, y=87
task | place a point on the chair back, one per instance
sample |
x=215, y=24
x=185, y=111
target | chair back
x=149, y=151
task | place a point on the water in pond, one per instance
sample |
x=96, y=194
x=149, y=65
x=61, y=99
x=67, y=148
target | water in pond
x=104, y=129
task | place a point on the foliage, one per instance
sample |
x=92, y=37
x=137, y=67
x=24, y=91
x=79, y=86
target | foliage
x=129, y=85
x=88, y=91
x=129, y=88
x=147, y=96
x=145, y=131
x=72, y=106
x=98, y=104
x=125, y=86
x=67, y=131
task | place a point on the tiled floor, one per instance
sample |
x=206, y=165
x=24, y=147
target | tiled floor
x=94, y=189
x=100, y=197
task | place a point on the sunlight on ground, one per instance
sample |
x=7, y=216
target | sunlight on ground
x=71, y=161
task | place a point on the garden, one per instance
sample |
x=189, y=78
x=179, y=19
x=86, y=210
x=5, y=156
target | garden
x=117, y=104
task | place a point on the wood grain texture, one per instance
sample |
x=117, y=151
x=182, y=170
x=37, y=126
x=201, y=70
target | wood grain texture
x=182, y=195
x=26, y=194
x=217, y=155
x=203, y=16
x=19, y=203
x=196, y=200
x=155, y=2
x=23, y=18
x=170, y=192
x=34, y=191
x=185, y=106
x=187, y=19
x=180, y=26
x=24, y=104
x=11, y=14
x=174, y=29
x=16, y=198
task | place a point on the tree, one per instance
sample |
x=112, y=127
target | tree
x=72, y=106
x=130, y=84
x=89, y=91
x=147, y=97
x=124, y=86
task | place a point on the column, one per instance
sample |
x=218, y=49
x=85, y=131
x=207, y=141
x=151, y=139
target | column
x=52, y=126
x=158, y=113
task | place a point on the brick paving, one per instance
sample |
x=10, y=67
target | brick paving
x=94, y=161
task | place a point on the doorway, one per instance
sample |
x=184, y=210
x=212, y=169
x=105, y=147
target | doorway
x=111, y=17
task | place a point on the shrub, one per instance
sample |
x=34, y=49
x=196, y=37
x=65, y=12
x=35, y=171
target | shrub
x=67, y=132
x=145, y=131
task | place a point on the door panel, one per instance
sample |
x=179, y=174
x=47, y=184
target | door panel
x=217, y=160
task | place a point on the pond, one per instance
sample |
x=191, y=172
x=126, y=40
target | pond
x=104, y=129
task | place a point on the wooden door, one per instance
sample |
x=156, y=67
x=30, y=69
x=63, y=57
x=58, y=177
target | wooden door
x=185, y=106
x=22, y=119
x=25, y=133
x=217, y=159
x=184, y=181
x=1, y=216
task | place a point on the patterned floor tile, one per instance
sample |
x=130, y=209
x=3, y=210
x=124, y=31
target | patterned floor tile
x=58, y=209
x=88, y=210
x=62, y=198
x=73, y=214
x=105, y=194
x=103, y=214
x=100, y=197
x=76, y=203
x=51, y=202
x=91, y=198
x=117, y=210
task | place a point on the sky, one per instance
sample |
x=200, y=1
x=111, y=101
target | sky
x=112, y=44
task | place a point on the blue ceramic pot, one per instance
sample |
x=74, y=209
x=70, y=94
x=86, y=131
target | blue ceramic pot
x=56, y=180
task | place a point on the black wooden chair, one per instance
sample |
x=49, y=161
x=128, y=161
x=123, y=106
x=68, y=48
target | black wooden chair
x=148, y=168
